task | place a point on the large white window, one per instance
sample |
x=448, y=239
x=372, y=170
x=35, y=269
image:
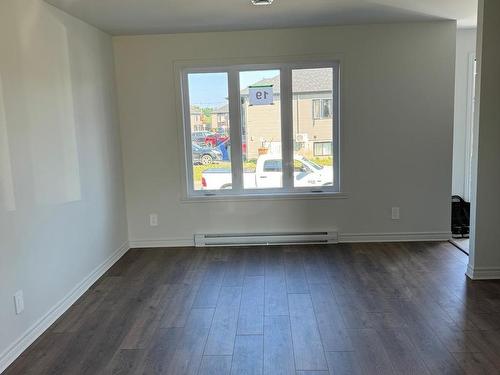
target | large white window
x=261, y=129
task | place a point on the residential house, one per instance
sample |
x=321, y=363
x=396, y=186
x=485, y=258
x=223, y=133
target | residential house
x=196, y=119
x=312, y=115
x=220, y=119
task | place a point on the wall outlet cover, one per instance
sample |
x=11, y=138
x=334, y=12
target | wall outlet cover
x=153, y=220
x=19, y=301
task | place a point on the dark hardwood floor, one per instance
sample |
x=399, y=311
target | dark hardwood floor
x=402, y=308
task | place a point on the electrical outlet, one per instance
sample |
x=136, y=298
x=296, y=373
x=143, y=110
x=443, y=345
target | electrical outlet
x=19, y=302
x=153, y=220
x=395, y=213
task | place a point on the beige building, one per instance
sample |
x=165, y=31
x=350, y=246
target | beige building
x=196, y=119
x=312, y=116
x=220, y=119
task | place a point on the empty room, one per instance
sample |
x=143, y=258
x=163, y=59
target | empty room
x=249, y=187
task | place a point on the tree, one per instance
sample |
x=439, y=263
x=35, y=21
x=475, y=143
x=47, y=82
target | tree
x=207, y=116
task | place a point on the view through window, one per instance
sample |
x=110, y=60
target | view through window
x=279, y=124
x=313, y=126
x=261, y=127
x=209, y=130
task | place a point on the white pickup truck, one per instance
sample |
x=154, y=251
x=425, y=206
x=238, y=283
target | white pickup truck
x=268, y=174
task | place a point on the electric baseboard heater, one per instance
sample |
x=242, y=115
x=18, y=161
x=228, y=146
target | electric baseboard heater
x=277, y=238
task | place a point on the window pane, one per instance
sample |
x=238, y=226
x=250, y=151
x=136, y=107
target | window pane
x=209, y=121
x=318, y=149
x=316, y=108
x=327, y=108
x=313, y=126
x=322, y=149
x=272, y=166
x=327, y=149
x=261, y=129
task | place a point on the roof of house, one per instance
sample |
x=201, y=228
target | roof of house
x=222, y=109
x=303, y=80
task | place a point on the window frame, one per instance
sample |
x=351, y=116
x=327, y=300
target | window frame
x=322, y=144
x=235, y=130
x=321, y=109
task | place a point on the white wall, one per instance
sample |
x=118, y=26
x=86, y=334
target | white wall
x=484, y=259
x=62, y=209
x=466, y=46
x=397, y=120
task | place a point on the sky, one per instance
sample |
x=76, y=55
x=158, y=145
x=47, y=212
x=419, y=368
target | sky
x=210, y=89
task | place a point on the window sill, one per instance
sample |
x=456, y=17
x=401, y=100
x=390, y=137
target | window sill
x=264, y=197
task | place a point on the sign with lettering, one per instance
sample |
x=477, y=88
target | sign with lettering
x=260, y=95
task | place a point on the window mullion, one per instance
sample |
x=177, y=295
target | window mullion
x=336, y=123
x=235, y=131
x=286, y=127
x=187, y=133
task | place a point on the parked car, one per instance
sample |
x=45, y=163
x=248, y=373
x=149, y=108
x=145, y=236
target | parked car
x=199, y=137
x=268, y=174
x=214, y=139
x=205, y=155
x=224, y=142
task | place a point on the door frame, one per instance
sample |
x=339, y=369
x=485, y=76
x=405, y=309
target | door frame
x=469, y=133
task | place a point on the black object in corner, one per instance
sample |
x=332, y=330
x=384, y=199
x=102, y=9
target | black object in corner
x=460, y=217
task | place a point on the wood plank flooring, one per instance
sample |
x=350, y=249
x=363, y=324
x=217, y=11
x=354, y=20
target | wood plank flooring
x=399, y=308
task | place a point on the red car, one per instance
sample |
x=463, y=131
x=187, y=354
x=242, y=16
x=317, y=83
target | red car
x=214, y=139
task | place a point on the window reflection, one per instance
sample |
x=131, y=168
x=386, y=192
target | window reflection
x=7, y=199
x=52, y=125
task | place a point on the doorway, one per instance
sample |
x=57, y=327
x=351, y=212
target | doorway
x=463, y=137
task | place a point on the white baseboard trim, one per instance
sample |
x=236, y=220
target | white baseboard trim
x=483, y=273
x=39, y=327
x=162, y=242
x=394, y=237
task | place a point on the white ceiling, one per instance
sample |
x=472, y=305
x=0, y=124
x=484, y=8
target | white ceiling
x=172, y=16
